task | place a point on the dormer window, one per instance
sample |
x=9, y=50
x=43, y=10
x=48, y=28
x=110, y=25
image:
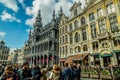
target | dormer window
x=75, y=12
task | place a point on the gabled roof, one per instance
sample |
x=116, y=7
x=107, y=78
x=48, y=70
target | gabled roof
x=75, y=5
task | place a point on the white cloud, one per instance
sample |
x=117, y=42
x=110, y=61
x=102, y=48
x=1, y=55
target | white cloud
x=2, y=34
x=12, y=4
x=47, y=7
x=8, y=17
x=27, y=30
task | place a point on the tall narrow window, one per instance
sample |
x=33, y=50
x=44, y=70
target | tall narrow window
x=75, y=12
x=77, y=37
x=66, y=28
x=66, y=38
x=76, y=24
x=84, y=34
x=85, y=48
x=71, y=39
x=95, y=46
x=71, y=51
x=101, y=24
x=91, y=16
x=93, y=30
x=70, y=27
x=114, y=24
x=82, y=20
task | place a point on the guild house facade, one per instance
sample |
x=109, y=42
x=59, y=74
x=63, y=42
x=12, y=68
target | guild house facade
x=42, y=47
x=4, y=52
x=91, y=36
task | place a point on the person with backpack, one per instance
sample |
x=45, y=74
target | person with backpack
x=68, y=73
x=55, y=73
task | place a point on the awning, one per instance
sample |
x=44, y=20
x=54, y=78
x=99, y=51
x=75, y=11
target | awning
x=78, y=57
x=95, y=54
x=106, y=55
x=62, y=60
x=116, y=51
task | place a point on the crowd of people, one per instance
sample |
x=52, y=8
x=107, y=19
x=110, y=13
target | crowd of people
x=24, y=72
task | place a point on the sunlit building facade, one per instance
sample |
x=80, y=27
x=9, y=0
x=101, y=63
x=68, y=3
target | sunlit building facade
x=4, y=52
x=93, y=33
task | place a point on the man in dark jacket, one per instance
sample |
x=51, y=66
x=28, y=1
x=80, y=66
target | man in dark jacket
x=36, y=72
x=25, y=72
x=68, y=73
x=78, y=72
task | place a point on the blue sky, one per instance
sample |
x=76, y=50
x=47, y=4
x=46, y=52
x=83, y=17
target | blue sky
x=17, y=17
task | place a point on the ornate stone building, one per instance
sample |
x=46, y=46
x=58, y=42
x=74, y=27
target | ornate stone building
x=4, y=52
x=93, y=33
x=43, y=41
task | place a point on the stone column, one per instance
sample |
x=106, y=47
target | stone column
x=101, y=61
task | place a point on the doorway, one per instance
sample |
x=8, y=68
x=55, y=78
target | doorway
x=106, y=61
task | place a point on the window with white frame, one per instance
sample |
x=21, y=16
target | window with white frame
x=110, y=8
x=100, y=12
x=101, y=24
x=84, y=34
x=76, y=24
x=93, y=30
x=70, y=27
x=114, y=24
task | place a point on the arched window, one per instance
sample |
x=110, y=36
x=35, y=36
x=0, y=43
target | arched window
x=70, y=27
x=85, y=48
x=71, y=51
x=82, y=20
x=76, y=24
x=77, y=37
x=77, y=49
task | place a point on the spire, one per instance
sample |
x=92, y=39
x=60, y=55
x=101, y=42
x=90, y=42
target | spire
x=61, y=11
x=30, y=32
x=38, y=20
x=53, y=14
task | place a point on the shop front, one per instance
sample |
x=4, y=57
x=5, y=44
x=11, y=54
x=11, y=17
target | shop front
x=81, y=59
x=117, y=53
